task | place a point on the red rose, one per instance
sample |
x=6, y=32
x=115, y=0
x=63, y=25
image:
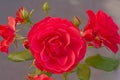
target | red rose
x=101, y=29
x=40, y=77
x=7, y=32
x=56, y=45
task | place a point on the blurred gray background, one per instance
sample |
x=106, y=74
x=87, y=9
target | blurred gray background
x=61, y=8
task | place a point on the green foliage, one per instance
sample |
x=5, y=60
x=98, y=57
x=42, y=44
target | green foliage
x=83, y=72
x=102, y=63
x=37, y=72
x=20, y=56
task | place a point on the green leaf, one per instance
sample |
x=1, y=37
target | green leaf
x=102, y=63
x=83, y=72
x=20, y=56
x=37, y=71
x=48, y=74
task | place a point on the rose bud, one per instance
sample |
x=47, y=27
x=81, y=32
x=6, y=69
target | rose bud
x=26, y=44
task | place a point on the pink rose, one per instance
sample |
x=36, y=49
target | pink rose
x=101, y=29
x=39, y=77
x=7, y=32
x=56, y=45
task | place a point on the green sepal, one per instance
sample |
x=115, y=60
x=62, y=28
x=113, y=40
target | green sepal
x=102, y=63
x=15, y=43
x=31, y=12
x=20, y=56
x=83, y=72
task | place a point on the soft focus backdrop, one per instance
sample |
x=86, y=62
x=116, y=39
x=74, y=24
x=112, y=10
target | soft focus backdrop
x=61, y=8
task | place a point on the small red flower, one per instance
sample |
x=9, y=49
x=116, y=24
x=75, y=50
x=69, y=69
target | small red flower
x=7, y=32
x=101, y=29
x=40, y=77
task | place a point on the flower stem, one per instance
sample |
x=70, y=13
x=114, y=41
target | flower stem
x=64, y=76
